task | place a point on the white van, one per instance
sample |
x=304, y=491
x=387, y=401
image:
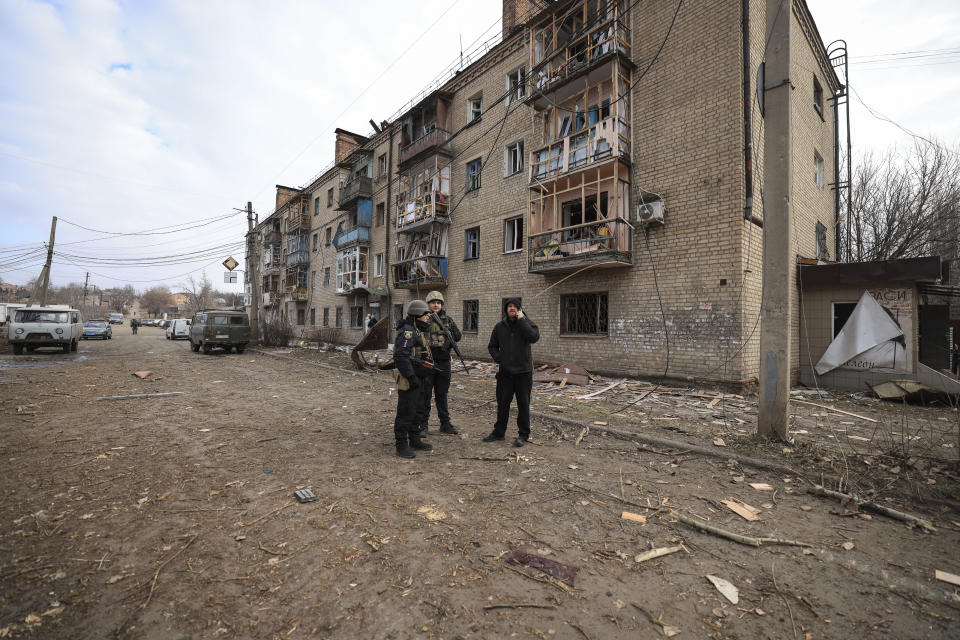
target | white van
x=34, y=327
x=178, y=329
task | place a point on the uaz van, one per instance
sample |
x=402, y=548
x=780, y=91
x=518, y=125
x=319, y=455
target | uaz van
x=34, y=327
x=219, y=328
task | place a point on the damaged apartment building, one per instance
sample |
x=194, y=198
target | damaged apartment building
x=604, y=162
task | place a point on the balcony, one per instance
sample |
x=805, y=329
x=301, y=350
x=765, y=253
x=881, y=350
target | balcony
x=602, y=243
x=561, y=52
x=351, y=190
x=423, y=272
x=599, y=143
x=420, y=212
x=357, y=235
x=271, y=237
x=298, y=222
x=297, y=258
x=297, y=294
x=436, y=139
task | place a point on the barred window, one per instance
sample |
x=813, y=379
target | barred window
x=584, y=313
x=356, y=317
x=471, y=315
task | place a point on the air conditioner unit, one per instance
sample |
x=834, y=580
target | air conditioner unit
x=650, y=213
x=266, y=298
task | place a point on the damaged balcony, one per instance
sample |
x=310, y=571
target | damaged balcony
x=352, y=270
x=434, y=140
x=605, y=141
x=355, y=229
x=605, y=243
x=424, y=128
x=576, y=40
x=271, y=259
x=295, y=285
x=352, y=189
x=422, y=272
x=298, y=215
x=424, y=194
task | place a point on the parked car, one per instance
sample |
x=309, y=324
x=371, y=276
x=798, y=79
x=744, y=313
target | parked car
x=115, y=318
x=219, y=329
x=179, y=329
x=34, y=327
x=97, y=329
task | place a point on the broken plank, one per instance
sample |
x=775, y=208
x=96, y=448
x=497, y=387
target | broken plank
x=143, y=395
x=950, y=578
x=823, y=406
x=742, y=509
x=604, y=390
x=656, y=553
x=713, y=403
x=633, y=517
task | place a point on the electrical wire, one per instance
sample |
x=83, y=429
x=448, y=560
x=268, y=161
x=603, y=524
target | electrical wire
x=195, y=224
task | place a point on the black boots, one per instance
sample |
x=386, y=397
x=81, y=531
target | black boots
x=418, y=444
x=404, y=450
x=449, y=429
x=493, y=437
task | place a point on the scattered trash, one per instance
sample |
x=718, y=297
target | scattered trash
x=563, y=572
x=142, y=374
x=847, y=546
x=571, y=373
x=718, y=442
x=634, y=517
x=304, y=495
x=725, y=588
x=268, y=470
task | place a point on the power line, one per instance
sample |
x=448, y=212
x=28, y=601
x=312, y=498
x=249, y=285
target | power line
x=159, y=230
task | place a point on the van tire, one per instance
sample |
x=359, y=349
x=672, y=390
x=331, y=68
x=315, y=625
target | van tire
x=241, y=347
x=205, y=348
x=67, y=348
x=228, y=348
x=194, y=347
x=31, y=348
x=75, y=345
x=18, y=349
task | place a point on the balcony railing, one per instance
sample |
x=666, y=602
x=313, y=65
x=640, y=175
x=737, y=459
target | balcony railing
x=272, y=237
x=581, y=52
x=297, y=294
x=607, y=242
x=298, y=223
x=429, y=207
x=434, y=139
x=361, y=187
x=608, y=138
x=357, y=235
x=424, y=272
x=298, y=257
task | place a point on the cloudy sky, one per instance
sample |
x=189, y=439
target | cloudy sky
x=162, y=118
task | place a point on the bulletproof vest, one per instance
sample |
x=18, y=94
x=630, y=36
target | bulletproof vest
x=436, y=337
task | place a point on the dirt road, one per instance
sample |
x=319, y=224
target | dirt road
x=173, y=517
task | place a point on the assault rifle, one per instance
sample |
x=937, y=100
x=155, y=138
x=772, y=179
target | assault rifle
x=453, y=343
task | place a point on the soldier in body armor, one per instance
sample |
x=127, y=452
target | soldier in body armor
x=413, y=360
x=438, y=380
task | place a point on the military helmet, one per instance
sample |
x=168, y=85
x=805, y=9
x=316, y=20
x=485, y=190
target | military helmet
x=417, y=308
x=435, y=295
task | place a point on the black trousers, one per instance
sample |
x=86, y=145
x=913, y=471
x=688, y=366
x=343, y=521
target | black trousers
x=510, y=386
x=409, y=405
x=436, y=385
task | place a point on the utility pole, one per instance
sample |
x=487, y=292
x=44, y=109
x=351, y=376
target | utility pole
x=86, y=280
x=252, y=276
x=46, y=266
x=778, y=250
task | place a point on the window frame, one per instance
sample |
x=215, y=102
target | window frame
x=474, y=172
x=602, y=319
x=328, y=235
x=378, y=265
x=468, y=242
x=381, y=166
x=381, y=213
x=516, y=85
x=819, y=176
x=316, y=206
x=474, y=108
x=326, y=277
x=326, y=316
x=471, y=324
x=817, y=96
x=338, y=319
x=513, y=158
x=301, y=317
x=356, y=317
x=329, y=197
x=313, y=316
x=506, y=227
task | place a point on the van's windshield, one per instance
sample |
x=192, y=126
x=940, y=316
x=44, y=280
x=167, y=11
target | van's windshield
x=33, y=315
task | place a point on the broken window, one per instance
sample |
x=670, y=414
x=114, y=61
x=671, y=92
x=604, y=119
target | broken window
x=823, y=253
x=471, y=315
x=473, y=174
x=817, y=96
x=584, y=313
x=339, y=318
x=516, y=85
x=472, y=244
x=513, y=235
x=818, y=168
x=474, y=108
x=381, y=213
x=841, y=313
x=356, y=317
x=315, y=241
x=327, y=237
x=513, y=158
x=382, y=166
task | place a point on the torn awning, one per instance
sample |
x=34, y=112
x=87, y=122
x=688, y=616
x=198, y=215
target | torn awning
x=871, y=339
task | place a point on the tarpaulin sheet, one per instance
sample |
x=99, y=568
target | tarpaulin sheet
x=871, y=339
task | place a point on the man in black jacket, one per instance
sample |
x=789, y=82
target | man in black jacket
x=510, y=348
x=413, y=360
x=437, y=382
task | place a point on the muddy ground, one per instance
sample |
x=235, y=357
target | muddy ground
x=173, y=517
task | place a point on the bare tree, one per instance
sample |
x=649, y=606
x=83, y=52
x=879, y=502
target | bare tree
x=156, y=299
x=120, y=299
x=200, y=293
x=906, y=207
x=231, y=298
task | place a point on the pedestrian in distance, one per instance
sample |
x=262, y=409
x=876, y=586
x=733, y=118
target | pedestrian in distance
x=510, y=348
x=441, y=335
x=413, y=362
x=134, y=325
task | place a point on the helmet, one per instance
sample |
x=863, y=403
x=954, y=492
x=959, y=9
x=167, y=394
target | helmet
x=417, y=308
x=434, y=295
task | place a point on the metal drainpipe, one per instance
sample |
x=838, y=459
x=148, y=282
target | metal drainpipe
x=836, y=179
x=386, y=222
x=747, y=116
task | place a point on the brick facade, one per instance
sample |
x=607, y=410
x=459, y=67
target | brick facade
x=687, y=135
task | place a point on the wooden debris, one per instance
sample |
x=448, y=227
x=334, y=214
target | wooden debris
x=519, y=605
x=950, y=578
x=633, y=517
x=656, y=553
x=713, y=403
x=604, y=390
x=143, y=395
x=761, y=486
x=718, y=442
x=890, y=513
x=742, y=509
x=736, y=537
x=823, y=406
x=583, y=432
x=600, y=423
